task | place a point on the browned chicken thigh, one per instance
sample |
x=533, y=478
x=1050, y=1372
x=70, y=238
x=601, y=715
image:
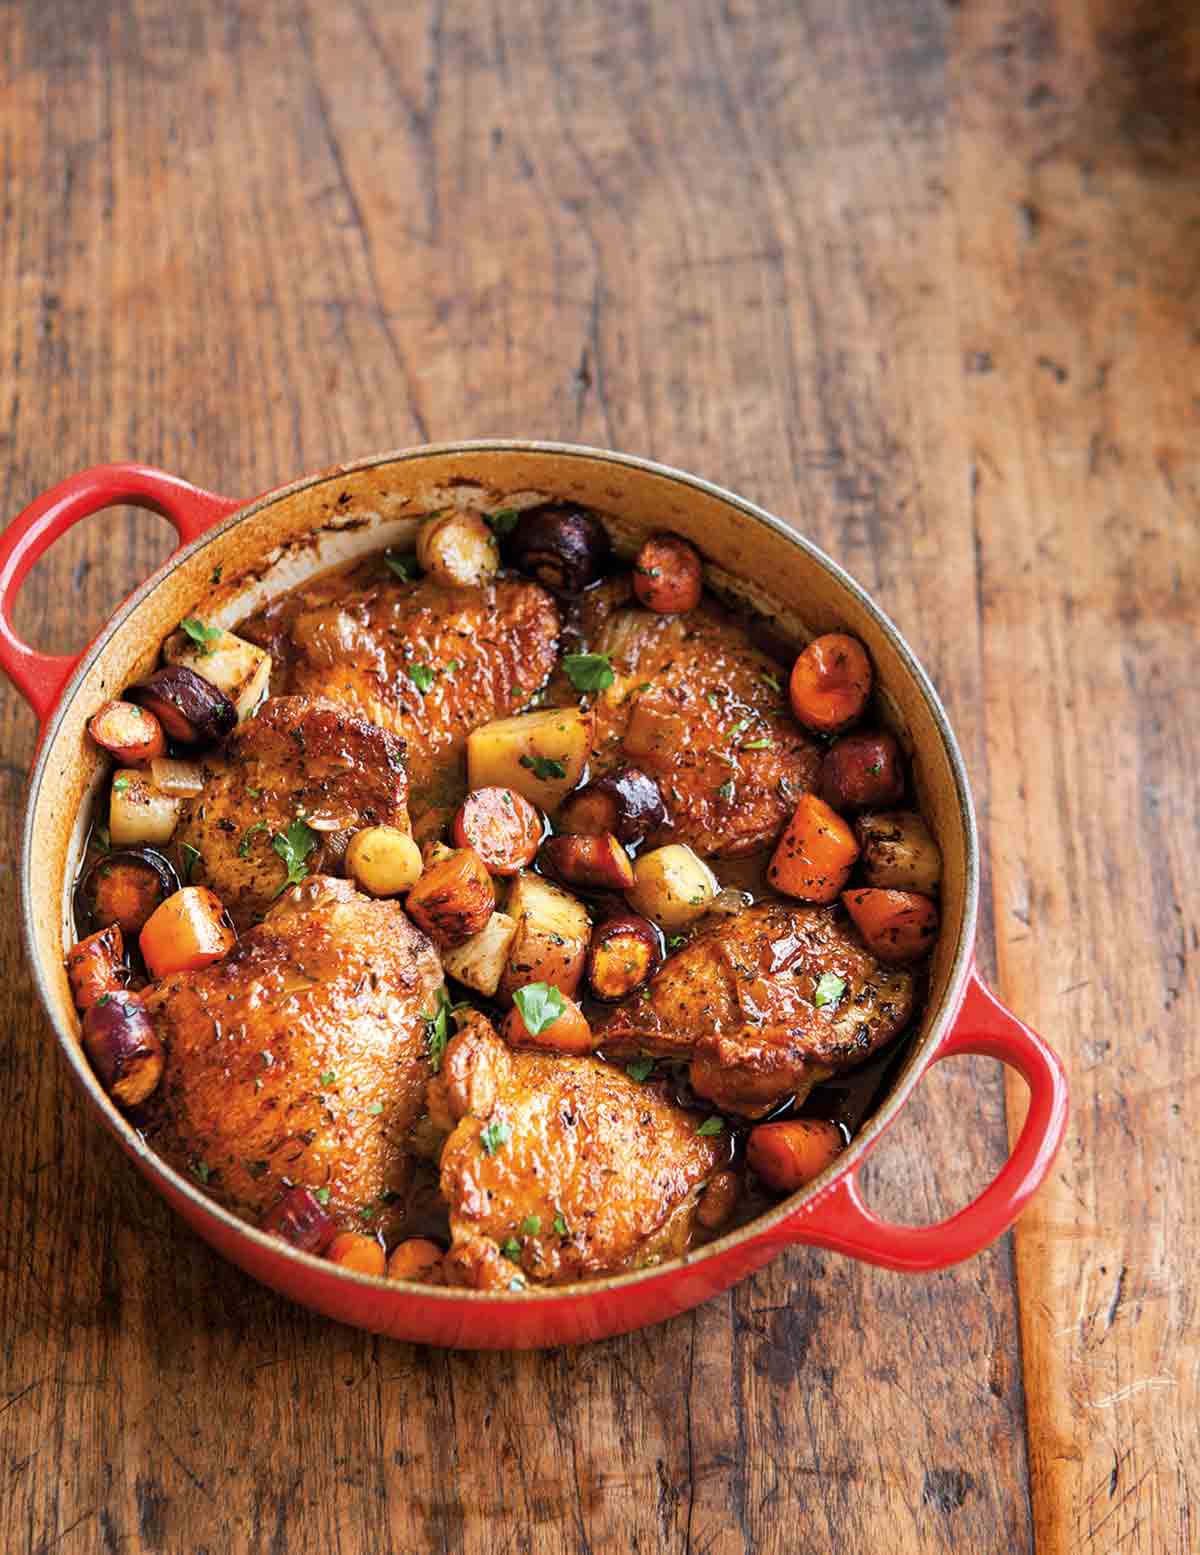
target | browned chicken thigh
x=297, y=759
x=301, y=1057
x=740, y=1001
x=424, y=660
x=701, y=709
x=560, y=1169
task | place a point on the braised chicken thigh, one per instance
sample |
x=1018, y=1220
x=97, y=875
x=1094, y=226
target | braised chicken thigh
x=427, y=661
x=559, y=1169
x=701, y=709
x=766, y=1005
x=300, y=1057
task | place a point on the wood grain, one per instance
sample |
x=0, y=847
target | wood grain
x=835, y=256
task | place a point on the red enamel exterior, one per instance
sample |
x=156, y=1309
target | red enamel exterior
x=834, y=1216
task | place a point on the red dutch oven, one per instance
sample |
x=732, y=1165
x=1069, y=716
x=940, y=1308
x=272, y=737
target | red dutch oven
x=230, y=558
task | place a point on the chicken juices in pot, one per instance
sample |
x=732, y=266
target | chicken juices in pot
x=502, y=914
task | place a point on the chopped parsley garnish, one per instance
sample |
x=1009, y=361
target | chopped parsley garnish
x=560, y=1226
x=589, y=671
x=711, y=1126
x=771, y=680
x=511, y=1249
x=216, y=575
x=544, y=767
x=494, y=1136
x=329, y=1078
x=674, y=942
x=422, y=677
x=322, y=1195
x=205, y=637
x=375, y=1108
x=452, y=668
x=100, y=839
x=503, y=521
x=405, y=567
x=830, y=988
x=293, y=847
x=640, y=1069
x=248, y=837
x=201, y=1171
x=875, y=768
x=437, y=1030
x=367, y=1212
x=531, y=1225
x=121, y=784
x=739, y=727
x=757, y=745
x=726, y=789
x=540, y=1005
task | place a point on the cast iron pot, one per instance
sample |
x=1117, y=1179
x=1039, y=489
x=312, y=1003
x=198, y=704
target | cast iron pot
x=234, y=555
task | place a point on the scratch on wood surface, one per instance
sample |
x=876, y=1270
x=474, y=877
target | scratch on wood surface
x=1130, y=1390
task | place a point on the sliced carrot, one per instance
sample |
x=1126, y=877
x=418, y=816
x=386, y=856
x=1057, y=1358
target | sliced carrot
x=897, y=926
x=416, y=1259
x=353, y=1250
x=831, y=681
x=815, y=854
x=566, y=1032
x=667, y=575
x=96, y=966
x=502, y=826
x=189, y=931
x=131, y=733
x=790, y=1154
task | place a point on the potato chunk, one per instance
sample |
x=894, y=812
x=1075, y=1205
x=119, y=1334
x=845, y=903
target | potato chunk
x=672, y=885
x=480, y=961
x=553, y=932
x=898, y=851
x=542, y=754
x=238, y=668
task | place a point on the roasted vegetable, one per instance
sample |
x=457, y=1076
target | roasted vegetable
x=125, y=887
x=240, y=669
x=137, y=811
x=624, y=953
x=479, y=962
x=790, y=1154
x=862, y=769
x=552, y=936
x=383, y=860
x=542, y=754
x=565, y=548
x=453, y=899
x=815, y=854
x=626, y=802
x=673, y=886
x=502, y=826
x=189, y=931
x=596, y=863
x=544, y=1017
x=899, y=852
x=180, y=779
x=299, y=1218
x=719, y=1200
x=190, y=708
x=96, y=966
x=458, y=549
x=416, y=1259
x=830, y=684
x=133, y=735
x=123, y=1046
x=897, y=926
x=362, y=1254
x=667, y=575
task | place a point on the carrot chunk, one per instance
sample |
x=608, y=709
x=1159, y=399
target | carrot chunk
x=790, y=1154
x=189, y=931
x=815, y=854
x=897, y=926
x=830, y=684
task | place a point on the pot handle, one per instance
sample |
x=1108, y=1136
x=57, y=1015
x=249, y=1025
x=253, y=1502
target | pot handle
x=839, y=1219
x=40, y=677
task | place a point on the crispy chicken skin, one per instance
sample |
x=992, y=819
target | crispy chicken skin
x=565, y=1164
x=301, y=1058
x=738, y=1000
x=692, y=705
x=488, y=649
x=297, y=757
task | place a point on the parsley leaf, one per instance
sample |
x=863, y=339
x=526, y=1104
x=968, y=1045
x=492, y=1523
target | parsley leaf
x=375, y=1108
x=248, y=837
x=422, y=677
x=503, y=521
x=589, y=671
x=322, y=1195
x=100, y=839
x=531, y=1225
x=437, y=1030
x=205, y=637
x=121, y=784
x=452, y=668
x=493, y=1136
x=189, y=857
x=511, y=1249
x=405, y=567
x=201, y=1171
x=830, y=989
x=875, y=768
x=711, y=1126
x=544, y=767
x=757, y=745
x=726, y=789
x=540, y=1005
x=676, y=940
x=771, y=680
x=741, y=725
x=293, y=847
x=560, y=1226
x=640, y=1069
x=329, y=1078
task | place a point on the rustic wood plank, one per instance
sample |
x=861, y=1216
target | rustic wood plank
x=1078, y=207
x=266, y=237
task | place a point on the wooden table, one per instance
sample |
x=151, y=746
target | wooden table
x=922, y=277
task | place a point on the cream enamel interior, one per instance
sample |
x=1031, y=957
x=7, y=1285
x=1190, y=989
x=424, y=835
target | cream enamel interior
x=290, y=534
